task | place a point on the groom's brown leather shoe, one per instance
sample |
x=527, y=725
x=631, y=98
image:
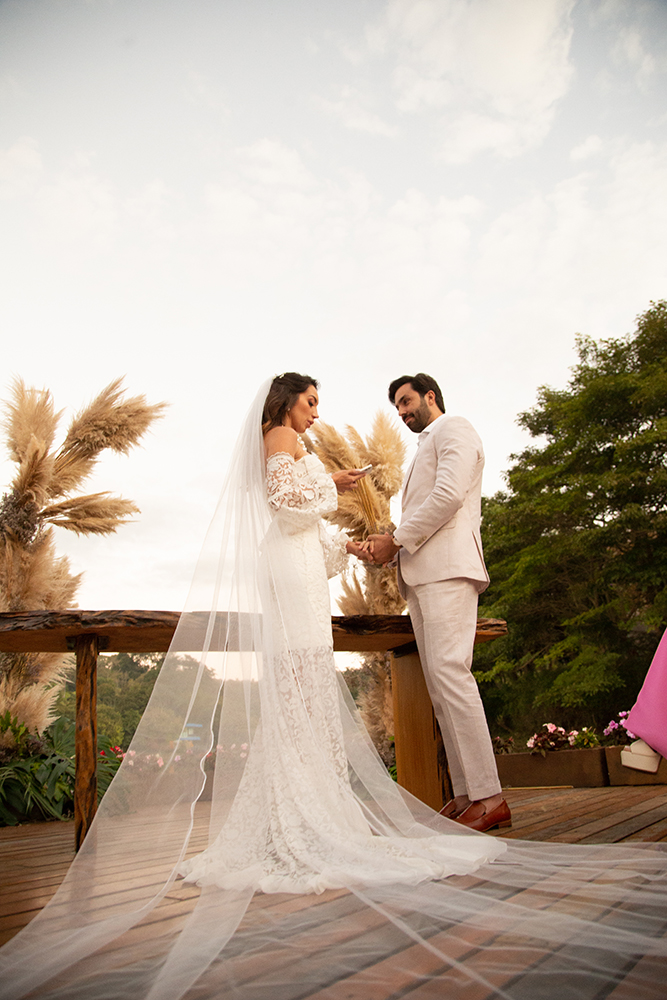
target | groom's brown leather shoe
x=476, y=817
x=450, y=810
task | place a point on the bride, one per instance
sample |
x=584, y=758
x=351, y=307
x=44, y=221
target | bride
x=320, y=876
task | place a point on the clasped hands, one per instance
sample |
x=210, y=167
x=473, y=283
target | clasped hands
x=377, y=549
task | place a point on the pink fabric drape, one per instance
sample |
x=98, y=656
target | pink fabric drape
x=648, y=717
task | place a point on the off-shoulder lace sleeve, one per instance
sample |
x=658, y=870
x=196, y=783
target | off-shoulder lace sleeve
x=299, y=494
x=283, y=486
x=335, y=552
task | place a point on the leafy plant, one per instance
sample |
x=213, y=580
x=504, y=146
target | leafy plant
x=502, y=744
x=582, y=739
x=37, y=773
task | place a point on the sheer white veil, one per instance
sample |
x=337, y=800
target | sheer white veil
x=524, y=921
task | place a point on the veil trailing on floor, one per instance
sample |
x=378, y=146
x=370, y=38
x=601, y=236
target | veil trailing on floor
x=322, y=877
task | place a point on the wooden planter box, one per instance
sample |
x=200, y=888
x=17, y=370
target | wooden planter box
x=620, y=775
x=579, y=768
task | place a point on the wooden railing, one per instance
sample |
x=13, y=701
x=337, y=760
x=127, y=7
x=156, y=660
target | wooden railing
x=420, y=760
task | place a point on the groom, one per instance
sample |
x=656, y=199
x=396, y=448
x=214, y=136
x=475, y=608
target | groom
x=441, y=571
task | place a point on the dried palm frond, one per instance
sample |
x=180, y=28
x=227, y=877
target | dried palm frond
x=30, y=413
x=107, y=422
x=357, y=445
x=96, y=514
x=35, y=473
x=353, y=599
x=32, y=703
x=377, y=709
x=32, y=576
x=370, y=590
x=333, y=450
x=386, y=449
x=360, y=511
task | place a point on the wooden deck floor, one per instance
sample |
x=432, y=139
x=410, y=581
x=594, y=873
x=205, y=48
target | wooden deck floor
x=34, y=859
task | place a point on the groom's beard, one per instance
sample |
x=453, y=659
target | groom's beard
x=418, y=419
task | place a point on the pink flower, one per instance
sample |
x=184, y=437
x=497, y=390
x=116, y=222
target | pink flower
x=550, y=727
x=160, y=762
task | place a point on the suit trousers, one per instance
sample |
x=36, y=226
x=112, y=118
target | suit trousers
x=444, y=618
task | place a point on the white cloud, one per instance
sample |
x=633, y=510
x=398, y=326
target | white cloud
x=350, y=111
x=20, y=167
x=496, y=70
x=629, y=49
x=273, y=164
x=470, y=134
x=591, y=146
x=598, y=237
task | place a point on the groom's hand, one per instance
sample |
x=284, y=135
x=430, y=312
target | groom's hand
x=383, y=548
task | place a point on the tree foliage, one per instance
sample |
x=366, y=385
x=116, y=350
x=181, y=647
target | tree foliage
x=124, y=684
x=577, y=544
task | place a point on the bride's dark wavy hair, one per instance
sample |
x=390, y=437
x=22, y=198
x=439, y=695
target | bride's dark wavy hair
x=283, y=394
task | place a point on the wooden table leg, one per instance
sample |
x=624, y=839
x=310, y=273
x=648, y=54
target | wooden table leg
x=421, y=763
x=85, y=780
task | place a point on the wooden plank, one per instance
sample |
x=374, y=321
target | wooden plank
x=85, y=737
x=152, y=631
x=421, y=766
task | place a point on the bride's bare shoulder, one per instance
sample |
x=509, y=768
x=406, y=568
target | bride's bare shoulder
x=281, y=439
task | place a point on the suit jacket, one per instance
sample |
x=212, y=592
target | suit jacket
x=441, y=507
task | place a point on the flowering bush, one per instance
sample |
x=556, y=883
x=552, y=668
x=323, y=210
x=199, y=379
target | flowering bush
x=618, y=730
x=233, y=750
x=503, y=745
x=555, y=738
x=582, y=739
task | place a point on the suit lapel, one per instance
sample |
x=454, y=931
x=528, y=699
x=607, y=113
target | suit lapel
x=409, y=472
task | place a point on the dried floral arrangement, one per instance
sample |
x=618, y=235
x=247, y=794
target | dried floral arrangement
x=367, y=589
x=42, y=494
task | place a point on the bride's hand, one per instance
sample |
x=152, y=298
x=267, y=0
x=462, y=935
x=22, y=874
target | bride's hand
x=346, y=479
x=359, y=550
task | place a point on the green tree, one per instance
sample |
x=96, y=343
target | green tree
x=124, y=685
x=577, y=543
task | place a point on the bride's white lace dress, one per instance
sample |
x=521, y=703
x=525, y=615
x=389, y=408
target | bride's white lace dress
x=296, y=825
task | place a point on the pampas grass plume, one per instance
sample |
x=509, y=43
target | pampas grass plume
x=32, y=576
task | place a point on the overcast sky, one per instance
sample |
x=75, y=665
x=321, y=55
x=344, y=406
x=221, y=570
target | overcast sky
x=197, y=194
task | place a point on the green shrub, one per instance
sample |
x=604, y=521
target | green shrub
x=37, y=772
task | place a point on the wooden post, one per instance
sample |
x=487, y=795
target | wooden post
x=85, y=781
x=421, y=764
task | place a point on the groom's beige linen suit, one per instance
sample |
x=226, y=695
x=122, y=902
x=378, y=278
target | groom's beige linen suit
x=441, y=571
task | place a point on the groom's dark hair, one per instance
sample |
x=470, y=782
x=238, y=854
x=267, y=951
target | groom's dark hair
x=421, y=383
